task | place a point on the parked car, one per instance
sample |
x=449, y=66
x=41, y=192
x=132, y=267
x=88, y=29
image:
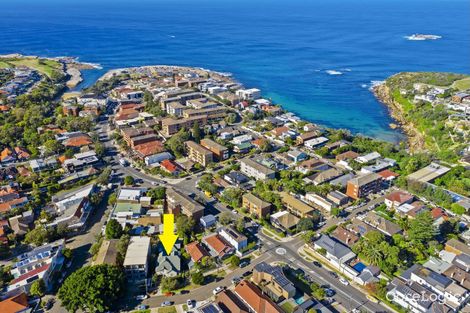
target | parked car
x=166, y=303
x=333, y=274
x=317, y=264
x=191, y=303
x=142, y=307
x=243, y=264
x=330, y=292
x=343, y=281
x=218, y=290
x=49, y=304
x=236, y=280
x=247, y=273
x=141, y=297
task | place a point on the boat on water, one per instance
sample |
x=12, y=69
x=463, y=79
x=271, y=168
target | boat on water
x=423, y=37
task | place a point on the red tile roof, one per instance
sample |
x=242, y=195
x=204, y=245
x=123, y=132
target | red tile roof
x=387, y=174
x=150, y=148
x=218, y=244
x=14, y=304
x=169, y=165
x=78, y=141
x=399, y=196
x=196, y=251
x=437, y=213
x=255, y=299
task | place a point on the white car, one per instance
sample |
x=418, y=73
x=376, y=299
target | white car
x=191, y=303
x=141, y=297
x=218, y=290
x=343, y=281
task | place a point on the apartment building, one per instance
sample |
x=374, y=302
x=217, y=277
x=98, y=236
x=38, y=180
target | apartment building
x=273, y=281
x=198, y=153
x=219, y=151
x=256, y=205
x=179, y=203
x=234, y=238
x=171, y=126
x=256, y=170
x=136, y=260
x=363, y=185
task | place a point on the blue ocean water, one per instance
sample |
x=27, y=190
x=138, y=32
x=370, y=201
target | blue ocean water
x=284, y=47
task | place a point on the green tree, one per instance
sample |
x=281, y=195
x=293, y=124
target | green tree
x=422, y=228
x=225, y=218
x=67, y=253
x=234, y=260
x=92, y=289
x=197, y=278
x=184, y=226
x=113, y=229
x=128, y=180
x=305, y=224
x=308, y=236
x=104, y=176
x=37, y=236
x=196, y=132
x=157, y=193
x=169, y=283
x=38, y=288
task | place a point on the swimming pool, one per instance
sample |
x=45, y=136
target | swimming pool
x=359, y=267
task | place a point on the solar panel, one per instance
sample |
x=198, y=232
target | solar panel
x=210, y=309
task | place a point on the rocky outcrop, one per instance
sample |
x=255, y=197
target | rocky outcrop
x=416, y=141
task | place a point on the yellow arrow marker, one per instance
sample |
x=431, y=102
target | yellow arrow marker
x=168, y=238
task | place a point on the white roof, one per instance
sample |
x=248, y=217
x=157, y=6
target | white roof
x=129, y=194
x=279, y=214
x=137, y=251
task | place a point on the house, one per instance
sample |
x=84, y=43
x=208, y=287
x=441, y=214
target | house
x=381, y=224
x=311, y=165
x=170, y=167
x=255, y=299
x=363, y=185
x=316, y=142
x=7, y=156
x=338, y=198
x=17, y=303
x=107, y=253
x=336, y=253
x=208, y=221
x=248, y=94
x=323, y=176
x=302, y=138
x=40, y=263
x=21, y=154
x=255, y=205
x=256, y=170
x=397, y=198
x=157, y=158
x=296, y=155
x=196, y=251
x=284, y=220
x=388, y=175
x=136, y=259
x=218, y=247
x=169, y=265
x=229, y=302
x=234, y=238
x=77, y=141
x=236, y=178
x=296, y=206
x=178, y=202
x=368, y=275
x=220, y=152
x=345, y=236
x=319, y=201
x=457, y=247
x=198, y=153
x=72, y=208
x=21, y=224
x=367, y=158
x=80, y=161
x=273, y=282
x=348, y=155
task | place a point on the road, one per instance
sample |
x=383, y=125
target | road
x=348, y=296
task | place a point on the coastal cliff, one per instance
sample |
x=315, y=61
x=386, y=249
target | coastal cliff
x=415, y=138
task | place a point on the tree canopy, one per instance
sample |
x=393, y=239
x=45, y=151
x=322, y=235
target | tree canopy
x=92, y=289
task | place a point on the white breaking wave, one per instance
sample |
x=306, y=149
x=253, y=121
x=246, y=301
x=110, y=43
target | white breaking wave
x=333, y=72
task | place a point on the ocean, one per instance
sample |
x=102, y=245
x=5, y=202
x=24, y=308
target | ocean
x=316, y=58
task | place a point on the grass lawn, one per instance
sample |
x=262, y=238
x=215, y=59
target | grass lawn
x=169, y=309
x=462, y=84
x=41, y=65
x=142, y=311
x=288, y=307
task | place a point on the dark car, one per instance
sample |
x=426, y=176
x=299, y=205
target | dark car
x=317, y=264
x=247, y=273
x=184, y=292
x=333, y=274
x=244, y=263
